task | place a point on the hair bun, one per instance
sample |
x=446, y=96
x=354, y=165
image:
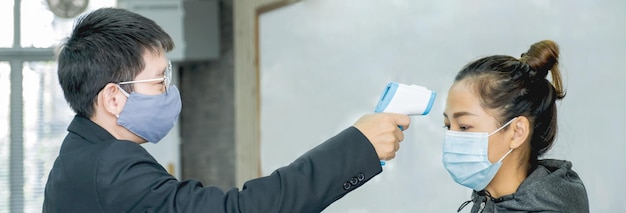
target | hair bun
x=541, y=57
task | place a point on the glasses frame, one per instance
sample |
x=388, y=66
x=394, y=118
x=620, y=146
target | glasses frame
x=167, y=78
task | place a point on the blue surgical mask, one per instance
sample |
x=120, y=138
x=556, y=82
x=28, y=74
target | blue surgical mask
x=151, y=117
x=465, y=156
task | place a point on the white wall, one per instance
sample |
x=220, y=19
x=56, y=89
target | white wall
x=325, y=62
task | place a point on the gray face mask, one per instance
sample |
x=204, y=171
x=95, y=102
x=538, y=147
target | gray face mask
x=151, y=117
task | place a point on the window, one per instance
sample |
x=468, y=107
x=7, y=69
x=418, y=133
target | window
x=4, y=134
x=34, y=112
x=6, y=23
x=46, y=116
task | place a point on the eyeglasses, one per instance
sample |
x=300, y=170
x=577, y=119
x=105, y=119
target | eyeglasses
x=167, y=78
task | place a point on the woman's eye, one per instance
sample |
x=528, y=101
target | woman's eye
x=463, y=128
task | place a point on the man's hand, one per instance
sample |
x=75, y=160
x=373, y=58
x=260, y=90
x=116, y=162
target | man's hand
x=382, y=130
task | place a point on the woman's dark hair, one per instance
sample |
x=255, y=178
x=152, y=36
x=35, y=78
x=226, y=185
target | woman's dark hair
x=106, y=46
x=518, y=87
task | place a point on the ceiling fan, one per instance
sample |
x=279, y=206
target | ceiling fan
x=67, y=8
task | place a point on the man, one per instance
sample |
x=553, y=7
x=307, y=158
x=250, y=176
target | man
x=115, y=76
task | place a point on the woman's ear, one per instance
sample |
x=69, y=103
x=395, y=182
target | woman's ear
x=111, y=100
x=521, y=131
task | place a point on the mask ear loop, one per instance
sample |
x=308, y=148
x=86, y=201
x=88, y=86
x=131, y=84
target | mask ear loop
x=123, y=91
x=507, y=153
x=502, y=127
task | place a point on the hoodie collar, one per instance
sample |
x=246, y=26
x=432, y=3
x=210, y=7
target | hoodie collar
x=553, y=185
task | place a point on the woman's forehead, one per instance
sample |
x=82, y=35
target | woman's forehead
x=462, y=98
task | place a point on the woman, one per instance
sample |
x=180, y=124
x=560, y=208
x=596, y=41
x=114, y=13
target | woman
x=501, y=116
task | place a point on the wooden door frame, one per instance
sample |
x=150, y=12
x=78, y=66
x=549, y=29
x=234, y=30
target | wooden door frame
x=247, y=85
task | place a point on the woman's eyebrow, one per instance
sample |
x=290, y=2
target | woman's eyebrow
x=459, y=114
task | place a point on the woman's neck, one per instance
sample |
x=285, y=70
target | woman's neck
x=510, y=175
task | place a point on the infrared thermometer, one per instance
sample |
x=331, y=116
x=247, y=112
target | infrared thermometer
x=405, y=99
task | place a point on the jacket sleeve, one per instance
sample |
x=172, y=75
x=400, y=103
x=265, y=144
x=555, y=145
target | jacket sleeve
x=129, y=179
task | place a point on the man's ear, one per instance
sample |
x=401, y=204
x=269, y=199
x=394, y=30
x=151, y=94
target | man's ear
x=521, y=131
x=111, y=99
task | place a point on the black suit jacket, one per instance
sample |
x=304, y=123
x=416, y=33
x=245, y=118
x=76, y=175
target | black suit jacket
x=95, y=172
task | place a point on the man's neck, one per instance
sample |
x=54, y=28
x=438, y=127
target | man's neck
x=109, y=123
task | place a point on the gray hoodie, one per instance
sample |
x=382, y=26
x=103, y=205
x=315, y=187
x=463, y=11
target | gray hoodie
x=552, y=187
